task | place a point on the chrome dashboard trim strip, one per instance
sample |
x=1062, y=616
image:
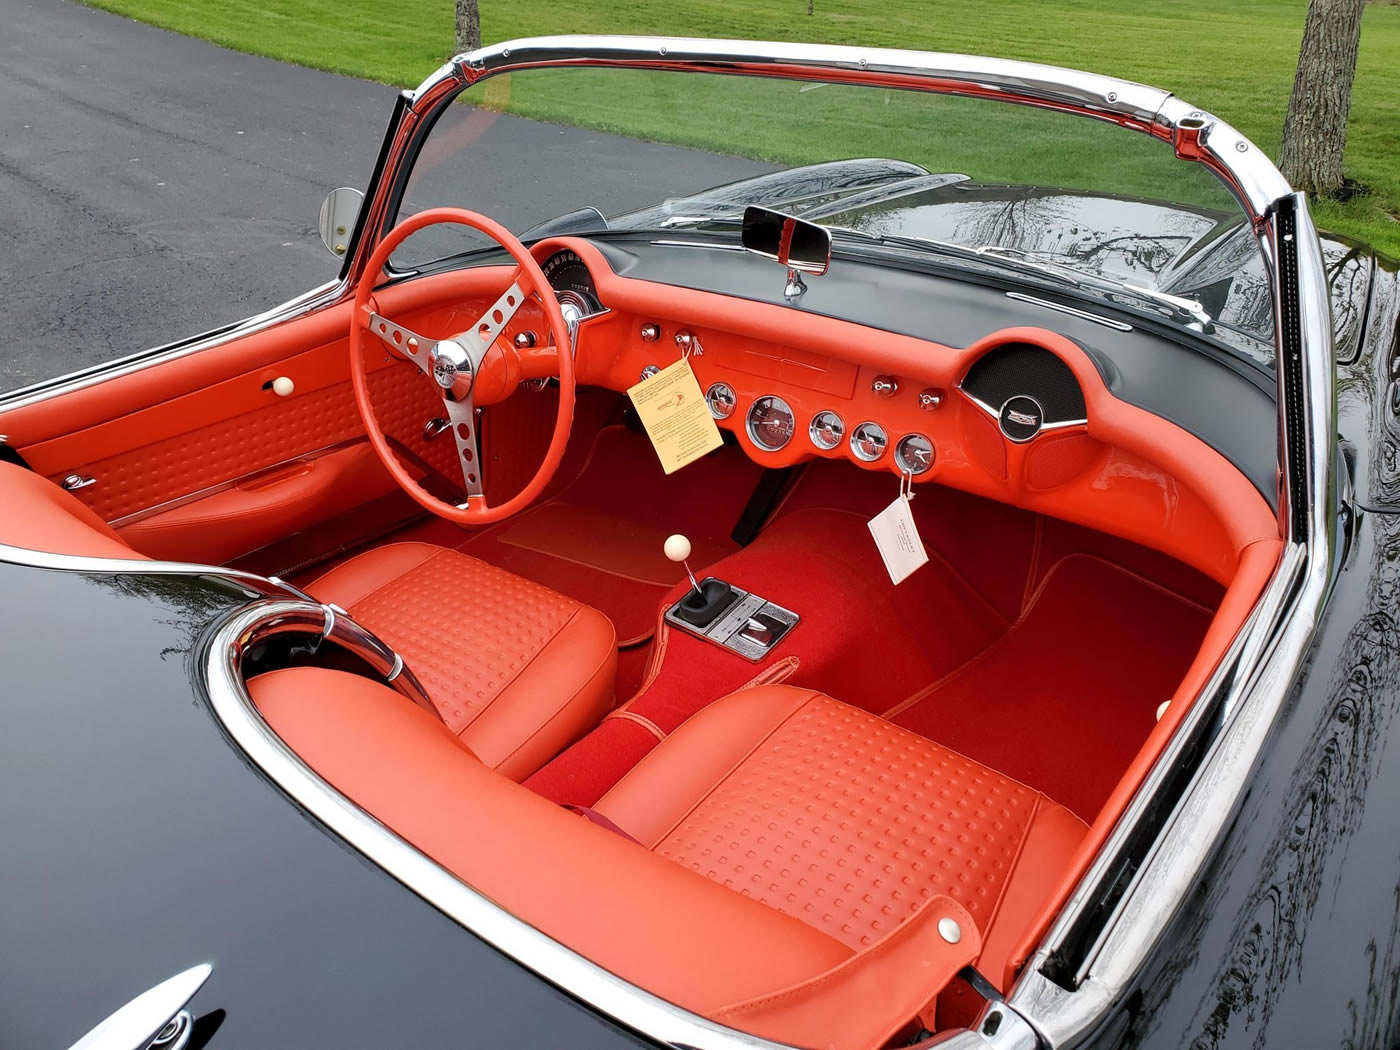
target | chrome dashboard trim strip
x=1083, y=315
x=995, y=414
x=708, y=245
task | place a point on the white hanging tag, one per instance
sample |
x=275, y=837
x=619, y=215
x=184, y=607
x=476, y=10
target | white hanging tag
x=896, y=535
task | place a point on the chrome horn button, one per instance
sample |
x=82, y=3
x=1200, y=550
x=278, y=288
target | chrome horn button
x=452, y=367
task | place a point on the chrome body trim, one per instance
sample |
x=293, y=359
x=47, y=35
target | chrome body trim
x=631, y=1006
x=151, y=1017
x=1258, y=670
x=330, y=621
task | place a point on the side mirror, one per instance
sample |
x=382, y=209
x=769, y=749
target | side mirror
x=338, y=213
x=801, y=246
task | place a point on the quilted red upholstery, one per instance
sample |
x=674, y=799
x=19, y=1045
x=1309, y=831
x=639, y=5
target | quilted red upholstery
x=145, y=477
x=651, y=922
x=840, y=819
x=516, y=670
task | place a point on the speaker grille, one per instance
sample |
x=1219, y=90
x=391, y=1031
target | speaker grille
x=1021, y=368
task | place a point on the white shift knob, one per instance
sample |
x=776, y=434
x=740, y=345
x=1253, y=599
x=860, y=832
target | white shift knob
x=677, y=547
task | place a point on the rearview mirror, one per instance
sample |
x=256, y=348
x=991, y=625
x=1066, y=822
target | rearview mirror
x=338, y=213
x=797, y=244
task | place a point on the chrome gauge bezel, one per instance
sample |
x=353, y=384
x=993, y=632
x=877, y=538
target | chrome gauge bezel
x=836, y=425
x=855, y=436
x=725, y=409
x=774, y=400
x=901, y=457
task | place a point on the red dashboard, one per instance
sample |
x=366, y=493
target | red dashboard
x=1022, y=416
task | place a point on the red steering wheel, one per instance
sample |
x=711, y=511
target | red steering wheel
x=455, y=363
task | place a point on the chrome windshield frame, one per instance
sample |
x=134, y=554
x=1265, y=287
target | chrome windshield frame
x=1264, y=657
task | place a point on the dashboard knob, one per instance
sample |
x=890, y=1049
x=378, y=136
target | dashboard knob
x=885, y=386
x=929, y=399
x=650, y=332
x=525, y=340
x=689, y=343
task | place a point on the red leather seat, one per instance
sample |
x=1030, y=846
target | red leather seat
x=841, y=819
x=795, y=860
x=517, y=671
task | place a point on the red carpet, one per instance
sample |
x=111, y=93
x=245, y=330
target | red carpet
x=1064, y=700
x=860, y=639
x=599, y=540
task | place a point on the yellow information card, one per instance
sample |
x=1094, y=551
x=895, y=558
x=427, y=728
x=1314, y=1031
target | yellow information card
x=675, y=416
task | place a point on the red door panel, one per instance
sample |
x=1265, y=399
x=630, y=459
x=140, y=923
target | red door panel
x=186, y=453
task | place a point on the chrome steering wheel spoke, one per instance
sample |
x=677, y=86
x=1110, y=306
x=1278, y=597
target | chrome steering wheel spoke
x=406, y=344
x=479, y=337
x=461, y=413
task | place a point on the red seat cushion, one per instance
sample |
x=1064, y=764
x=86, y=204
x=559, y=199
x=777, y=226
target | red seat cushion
x=838, y=818
x=516, y=671
x=796, y=866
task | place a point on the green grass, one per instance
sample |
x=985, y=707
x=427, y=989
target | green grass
x=1233, y=57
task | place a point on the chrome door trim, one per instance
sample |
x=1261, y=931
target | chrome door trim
x=132, y=517
x=322, y=295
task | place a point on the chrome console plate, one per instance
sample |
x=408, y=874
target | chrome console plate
x=727, y=629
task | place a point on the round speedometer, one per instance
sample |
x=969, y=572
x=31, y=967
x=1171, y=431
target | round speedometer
x=566, y=272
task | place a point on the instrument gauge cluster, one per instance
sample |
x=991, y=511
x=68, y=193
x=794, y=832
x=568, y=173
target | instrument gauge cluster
x=914, y=454
x=721, y=399
x=771, y=423
x=826, y=430
x=869, y=441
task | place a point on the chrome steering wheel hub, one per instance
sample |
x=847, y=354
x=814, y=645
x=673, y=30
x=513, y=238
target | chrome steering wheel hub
x=452, y=367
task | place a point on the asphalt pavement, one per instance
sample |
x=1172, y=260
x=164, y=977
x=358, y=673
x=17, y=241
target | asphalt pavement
x=153, y=186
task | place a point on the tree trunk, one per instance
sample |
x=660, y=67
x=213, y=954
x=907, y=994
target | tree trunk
x=1315, y=131
x=468, y=26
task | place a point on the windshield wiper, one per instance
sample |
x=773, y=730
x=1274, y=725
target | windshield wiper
x=1189, y=311
x=1180, y=308
x=672, y=221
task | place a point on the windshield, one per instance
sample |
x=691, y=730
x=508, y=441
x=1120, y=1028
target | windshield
x=1053, y=198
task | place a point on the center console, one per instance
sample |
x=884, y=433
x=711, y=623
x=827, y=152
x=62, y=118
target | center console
x=744, y=623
